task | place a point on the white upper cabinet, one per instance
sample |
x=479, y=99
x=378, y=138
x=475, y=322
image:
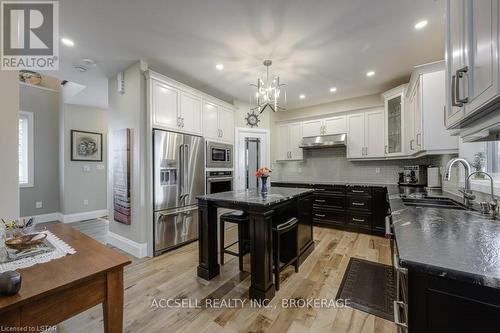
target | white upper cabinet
x=374, y=142
x=394, y=121
x=312, y=127
x=190, y=113
x=177, y=107
x=365, y=137
x=472, y=62
x=425, y=130
x=356, y=135
x=218, y=122
x=226, y=124
x=289, y=138
x=335, y=125
x=326, y=126
x=165, y=105
x=211, y=120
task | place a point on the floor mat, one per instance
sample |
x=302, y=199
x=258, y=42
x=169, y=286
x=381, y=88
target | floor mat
x=369, y=287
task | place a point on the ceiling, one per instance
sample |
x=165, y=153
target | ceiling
x=314, y=44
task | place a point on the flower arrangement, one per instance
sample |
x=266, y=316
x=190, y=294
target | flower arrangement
x=263, y=172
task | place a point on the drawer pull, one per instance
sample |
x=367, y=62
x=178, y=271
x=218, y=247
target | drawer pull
x=358, y=203
x=358, y=220
x=319, y=215
x=357, y=191
x=320, y=189
x=317, y=200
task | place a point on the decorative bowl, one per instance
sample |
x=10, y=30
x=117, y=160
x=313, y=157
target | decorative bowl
x=25, y=241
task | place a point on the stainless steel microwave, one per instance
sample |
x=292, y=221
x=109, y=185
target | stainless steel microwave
x=219, y=155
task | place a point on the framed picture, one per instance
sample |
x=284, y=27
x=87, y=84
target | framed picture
x=121, y=175
x=86, y=146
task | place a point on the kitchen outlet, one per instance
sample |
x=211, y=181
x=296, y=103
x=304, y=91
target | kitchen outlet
x=299, y=170
x=100, y=167
x=38, y=204
x=85, y=202
x=86, y=168
x=377, y=170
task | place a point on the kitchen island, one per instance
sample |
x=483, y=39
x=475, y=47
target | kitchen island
x=264, y=210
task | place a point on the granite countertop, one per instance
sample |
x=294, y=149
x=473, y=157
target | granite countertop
x=459, y=244
x=255, y=197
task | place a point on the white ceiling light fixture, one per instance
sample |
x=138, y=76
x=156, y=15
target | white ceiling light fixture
x=333, y=89
x=67, y=42
x=421, y=24
x=270, y=93
x=219, y=67
x=302, y=96
x=370, y=73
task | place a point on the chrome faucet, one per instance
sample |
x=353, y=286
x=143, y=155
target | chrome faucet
x=492, y=206
x=468, y=196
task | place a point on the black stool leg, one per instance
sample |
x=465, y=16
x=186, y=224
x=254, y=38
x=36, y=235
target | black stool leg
x=241, y=245
x=222, y=230
x=297, y=251
x=277, y=261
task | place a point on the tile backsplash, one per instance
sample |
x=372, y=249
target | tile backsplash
x=331, y=165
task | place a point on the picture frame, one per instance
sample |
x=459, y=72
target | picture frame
x=86, y=146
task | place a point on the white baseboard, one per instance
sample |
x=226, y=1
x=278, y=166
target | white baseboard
x=70, y=218
x=42, y=218
x=139, y=250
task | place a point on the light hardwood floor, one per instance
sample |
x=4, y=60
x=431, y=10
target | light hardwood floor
x=173, y=275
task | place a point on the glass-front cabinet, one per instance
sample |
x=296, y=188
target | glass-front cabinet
x=394, y=120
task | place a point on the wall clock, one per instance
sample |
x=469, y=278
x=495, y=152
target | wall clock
x=252, y=119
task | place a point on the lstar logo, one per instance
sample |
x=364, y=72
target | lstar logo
x=30, y=35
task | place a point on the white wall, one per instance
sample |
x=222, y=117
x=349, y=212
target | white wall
x=128, y=110
x=9, y=163
x=80, y=185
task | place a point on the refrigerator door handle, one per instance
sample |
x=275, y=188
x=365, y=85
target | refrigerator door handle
x=181, y=174
x=185, y=171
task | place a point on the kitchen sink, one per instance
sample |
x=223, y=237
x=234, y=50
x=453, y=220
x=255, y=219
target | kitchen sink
x=436, y=202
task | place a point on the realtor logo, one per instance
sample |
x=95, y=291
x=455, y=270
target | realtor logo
x=30, y=35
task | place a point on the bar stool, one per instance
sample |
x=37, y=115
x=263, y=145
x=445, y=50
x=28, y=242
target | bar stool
x=239, y=218
x=279, y=231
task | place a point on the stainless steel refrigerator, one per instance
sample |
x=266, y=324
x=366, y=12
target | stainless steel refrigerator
x=179, y=176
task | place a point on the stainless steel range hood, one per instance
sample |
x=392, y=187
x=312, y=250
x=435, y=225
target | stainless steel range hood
x=324, y=141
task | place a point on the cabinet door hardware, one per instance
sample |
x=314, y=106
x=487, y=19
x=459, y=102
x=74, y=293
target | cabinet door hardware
x=419, y=142
x=411, y=144
x=357, y=191
x=460, y=74
x=319, y=215
x=358, y=220
x=320, y=201
x=358, y=204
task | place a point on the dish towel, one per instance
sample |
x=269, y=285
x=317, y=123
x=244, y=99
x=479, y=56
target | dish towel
x=61, y=249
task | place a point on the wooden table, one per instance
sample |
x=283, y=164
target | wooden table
x=262, y=209
x=57, y=290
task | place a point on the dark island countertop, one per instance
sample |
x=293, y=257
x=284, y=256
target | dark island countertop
x=255, y=197
x=459, y=244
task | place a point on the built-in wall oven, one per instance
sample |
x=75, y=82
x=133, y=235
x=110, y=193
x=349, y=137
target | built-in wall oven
x=219, y=155
x=219, y=181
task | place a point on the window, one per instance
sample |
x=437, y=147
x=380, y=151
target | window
x=26, y=153
x=493, y=158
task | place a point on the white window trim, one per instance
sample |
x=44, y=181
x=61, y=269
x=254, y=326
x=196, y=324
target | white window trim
x=31, y=150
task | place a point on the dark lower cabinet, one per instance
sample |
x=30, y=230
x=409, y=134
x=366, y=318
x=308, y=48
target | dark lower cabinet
x=439, y=304
x=353, y=208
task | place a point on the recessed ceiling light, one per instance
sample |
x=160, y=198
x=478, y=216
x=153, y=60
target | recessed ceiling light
x=421, y=24
x=67, y=42
x=333, y=89
x=370, y=73
x=219, y=66
x=302, y=96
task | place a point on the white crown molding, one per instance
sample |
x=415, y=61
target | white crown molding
x=139, y=250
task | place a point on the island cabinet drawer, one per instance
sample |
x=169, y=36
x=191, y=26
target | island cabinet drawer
x=328, y=216
x=330, y=190
x=359, y=191
x=359, y=220
x=330, y=201
x=359, y=203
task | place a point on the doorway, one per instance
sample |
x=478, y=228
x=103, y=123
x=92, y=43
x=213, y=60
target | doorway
x=252, y=151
